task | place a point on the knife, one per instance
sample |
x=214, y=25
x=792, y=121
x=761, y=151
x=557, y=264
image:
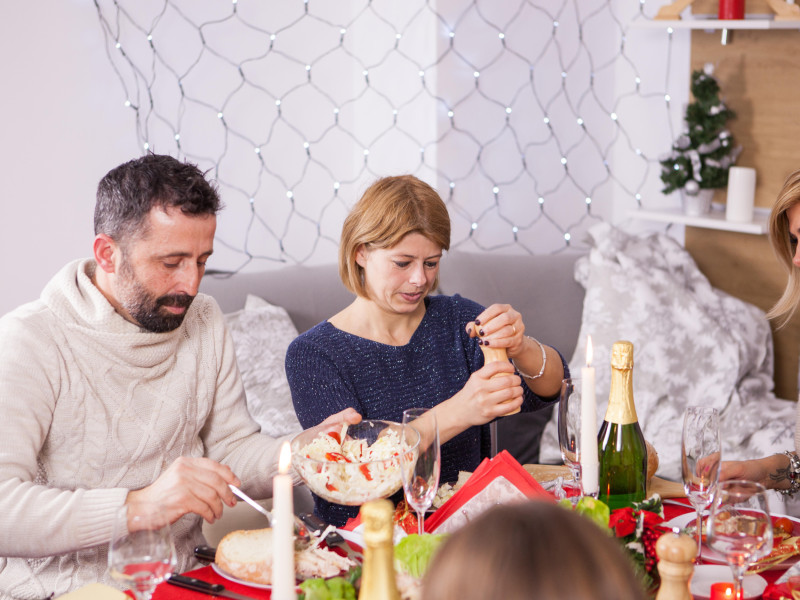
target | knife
x=316, y=526
x=204, y=587
x=206, y=554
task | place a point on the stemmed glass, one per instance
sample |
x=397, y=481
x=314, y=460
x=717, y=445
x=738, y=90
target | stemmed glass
x=700, y=460
x=141, y=554
x=740, y=526
x=421, y=476
x=569, y=427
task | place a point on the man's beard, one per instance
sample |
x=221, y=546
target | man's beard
x=146, y=309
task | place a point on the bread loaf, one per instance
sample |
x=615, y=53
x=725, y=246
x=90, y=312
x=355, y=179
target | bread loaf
x=652, y=460
x=247, y=555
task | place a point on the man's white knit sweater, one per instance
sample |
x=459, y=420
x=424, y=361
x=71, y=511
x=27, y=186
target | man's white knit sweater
x=91, y=406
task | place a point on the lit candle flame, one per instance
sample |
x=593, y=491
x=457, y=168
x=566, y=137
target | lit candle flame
x=285, y=460
x=589, y=353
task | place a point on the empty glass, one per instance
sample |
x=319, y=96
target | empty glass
x=141, y=554
x=700, y=460
x=569, y=428
x=421, y=476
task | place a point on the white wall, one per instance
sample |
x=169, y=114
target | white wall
x=65, y=126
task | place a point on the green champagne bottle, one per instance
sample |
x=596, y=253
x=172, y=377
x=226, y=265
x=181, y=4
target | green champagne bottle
x=621, y=449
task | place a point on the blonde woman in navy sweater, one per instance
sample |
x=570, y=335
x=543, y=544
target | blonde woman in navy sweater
x=396, y=346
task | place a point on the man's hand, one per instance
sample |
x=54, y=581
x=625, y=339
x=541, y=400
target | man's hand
x=189, y=485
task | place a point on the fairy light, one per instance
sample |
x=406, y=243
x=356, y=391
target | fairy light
x=525, y=144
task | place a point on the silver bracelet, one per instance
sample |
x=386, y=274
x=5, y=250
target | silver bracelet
x=544, y=362
x=793, y=472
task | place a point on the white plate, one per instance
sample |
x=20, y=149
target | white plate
x=221, y=573
x=712, y=556
x=705, y=575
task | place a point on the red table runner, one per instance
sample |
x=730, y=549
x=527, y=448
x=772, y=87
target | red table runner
x=166, y=591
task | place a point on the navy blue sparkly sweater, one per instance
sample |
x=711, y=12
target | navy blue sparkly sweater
x=329, y=370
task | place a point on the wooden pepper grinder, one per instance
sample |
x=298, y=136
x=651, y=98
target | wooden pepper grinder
x=494, y=355
x=676, y=553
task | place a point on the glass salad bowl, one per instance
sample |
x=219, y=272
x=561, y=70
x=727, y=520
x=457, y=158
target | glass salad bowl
x=352, y=464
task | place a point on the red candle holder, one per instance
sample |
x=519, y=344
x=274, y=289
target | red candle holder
x=723, y=591
x=731, y=9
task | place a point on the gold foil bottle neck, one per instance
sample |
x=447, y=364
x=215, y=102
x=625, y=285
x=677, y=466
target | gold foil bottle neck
x=378, y=578
x=622, y=355
x=621, y=409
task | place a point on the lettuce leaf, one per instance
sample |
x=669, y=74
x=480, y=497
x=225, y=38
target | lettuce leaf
x=413, y=553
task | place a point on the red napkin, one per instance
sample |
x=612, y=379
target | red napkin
x=499, y=480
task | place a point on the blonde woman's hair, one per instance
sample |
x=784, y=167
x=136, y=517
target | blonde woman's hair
x=389, y=210
x=781, y=239
x=535, y=549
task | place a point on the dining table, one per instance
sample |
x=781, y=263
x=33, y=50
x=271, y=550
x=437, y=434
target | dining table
x=675, y=504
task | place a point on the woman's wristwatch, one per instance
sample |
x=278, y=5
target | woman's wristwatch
x=793, y=472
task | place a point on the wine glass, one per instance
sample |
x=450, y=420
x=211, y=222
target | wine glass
x=740, y=526
x=700, y=460
x=421, y=476
x=569, y=428
x=141, y=554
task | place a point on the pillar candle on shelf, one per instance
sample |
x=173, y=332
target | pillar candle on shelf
x=741, y=194
x=283, y=577
x=588, y=449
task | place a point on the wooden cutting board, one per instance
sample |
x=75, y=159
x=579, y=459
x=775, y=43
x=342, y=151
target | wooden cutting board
x=657, y=485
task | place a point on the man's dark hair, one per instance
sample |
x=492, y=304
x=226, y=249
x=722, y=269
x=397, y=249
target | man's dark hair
x=128, y=192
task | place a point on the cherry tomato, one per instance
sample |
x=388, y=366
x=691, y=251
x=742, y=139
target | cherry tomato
x=783, y=525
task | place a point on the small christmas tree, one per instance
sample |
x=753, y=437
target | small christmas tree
x=701, y=156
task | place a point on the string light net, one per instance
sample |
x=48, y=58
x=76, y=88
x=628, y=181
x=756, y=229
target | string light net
x=530, y=117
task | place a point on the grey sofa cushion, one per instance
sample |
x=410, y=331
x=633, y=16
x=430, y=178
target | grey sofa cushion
x=309, y=294
x=542, y=288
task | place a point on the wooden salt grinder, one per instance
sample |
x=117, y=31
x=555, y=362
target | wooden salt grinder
x=676, y=553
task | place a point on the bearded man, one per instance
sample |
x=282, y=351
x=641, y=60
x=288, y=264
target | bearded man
x=119, y=386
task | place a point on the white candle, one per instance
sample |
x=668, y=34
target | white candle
x=741, y=194
x=283, y=577
x=588, y=449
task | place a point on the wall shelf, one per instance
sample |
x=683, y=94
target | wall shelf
x=754, y=22
x=713, y=220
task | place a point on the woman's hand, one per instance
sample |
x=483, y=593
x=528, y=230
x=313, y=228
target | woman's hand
x=499, y=326
x=490, y=392
x=771, y=471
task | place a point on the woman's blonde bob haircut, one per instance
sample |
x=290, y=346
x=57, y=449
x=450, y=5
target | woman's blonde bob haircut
x=781, y=239
x=389, y=210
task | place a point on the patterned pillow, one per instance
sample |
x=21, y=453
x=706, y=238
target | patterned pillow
x=261, y=334
x=693, y=344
